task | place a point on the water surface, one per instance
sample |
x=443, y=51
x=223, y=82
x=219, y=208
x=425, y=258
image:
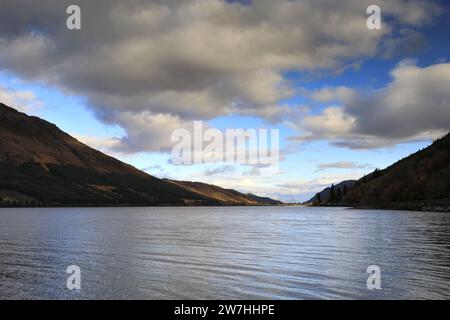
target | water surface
x=223, y=253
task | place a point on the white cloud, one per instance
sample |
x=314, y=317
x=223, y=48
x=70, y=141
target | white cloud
x=333, y=121
x=105, y=145
x=348, y=165
x=414, y=106
x=330, y=94
x=145, y=131
x=24, y=101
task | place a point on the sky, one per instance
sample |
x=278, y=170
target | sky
x=346, y=99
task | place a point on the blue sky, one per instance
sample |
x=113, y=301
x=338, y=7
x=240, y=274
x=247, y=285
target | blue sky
x=307, y=165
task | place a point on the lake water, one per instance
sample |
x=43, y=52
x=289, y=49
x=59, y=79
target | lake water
x=223, y=253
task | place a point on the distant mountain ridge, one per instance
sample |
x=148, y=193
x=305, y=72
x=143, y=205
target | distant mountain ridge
x=40, y=165
x=420, y=181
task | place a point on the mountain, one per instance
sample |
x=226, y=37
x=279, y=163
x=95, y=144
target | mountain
x=324, y=195
x=40, y=165
x=418, y=182
x=227, y=196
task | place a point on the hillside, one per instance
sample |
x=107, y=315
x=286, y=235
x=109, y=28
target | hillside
x=340, y=191
x=227, y=196
x=40, y=165
x=418, y=181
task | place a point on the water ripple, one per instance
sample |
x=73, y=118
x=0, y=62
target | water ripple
x=223, y=253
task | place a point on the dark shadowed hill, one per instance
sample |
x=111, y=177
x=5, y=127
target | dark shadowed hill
x=40, y=165
x=419, y=181
x=337, y=192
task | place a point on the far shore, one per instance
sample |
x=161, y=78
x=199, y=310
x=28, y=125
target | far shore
x=420, y=205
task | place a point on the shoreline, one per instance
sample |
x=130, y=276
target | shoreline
x=136, y=206
x=419, y=206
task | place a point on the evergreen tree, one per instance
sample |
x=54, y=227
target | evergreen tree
x=318, y=198
x=332, y=198
x=339, y=195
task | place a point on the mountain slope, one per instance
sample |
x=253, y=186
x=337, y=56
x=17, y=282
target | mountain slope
x=418, y=181
x=40, y=165
x=227, y=196
x=324, y=195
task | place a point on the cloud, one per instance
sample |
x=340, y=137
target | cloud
x=105, y=145
x=146, y=131
x=24, y=101
x=343, y=165
x=157, y=171
x=149, y=64
x=220, y=170
x=333, y=121
x=255, y=171
x=415, y=105
x=330, y=94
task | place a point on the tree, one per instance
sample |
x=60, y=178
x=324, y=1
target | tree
x=332, y=197
x=339, y=195
x=377, y=173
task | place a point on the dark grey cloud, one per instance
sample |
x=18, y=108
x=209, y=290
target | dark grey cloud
x=192, y=59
